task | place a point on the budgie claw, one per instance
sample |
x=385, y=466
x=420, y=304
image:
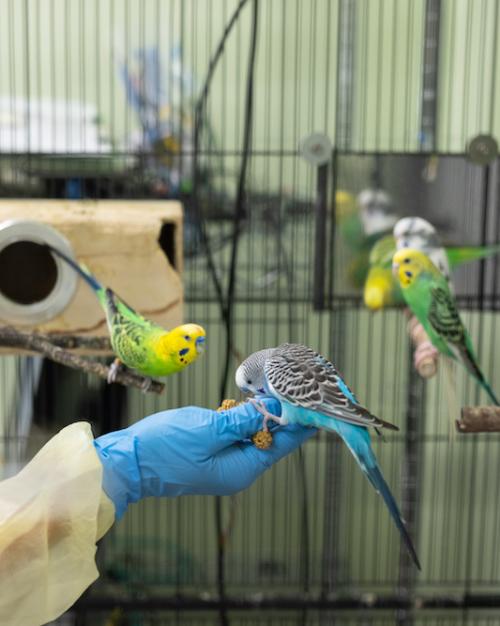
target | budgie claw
x=113, y=370
x=267, y=416
x=425, y=351
x=146, y=385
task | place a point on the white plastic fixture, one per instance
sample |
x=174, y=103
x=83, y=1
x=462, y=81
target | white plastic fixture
x=316, y=149
x=47, y=301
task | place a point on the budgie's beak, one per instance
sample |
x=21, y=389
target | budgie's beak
x=200, y=344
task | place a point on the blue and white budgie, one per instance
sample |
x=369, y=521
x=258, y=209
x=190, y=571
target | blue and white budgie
x=312, y=393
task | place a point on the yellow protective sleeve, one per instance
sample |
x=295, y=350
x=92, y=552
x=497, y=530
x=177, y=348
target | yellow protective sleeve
x=51, y=515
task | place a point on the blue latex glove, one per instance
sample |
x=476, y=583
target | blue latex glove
x=190, y=451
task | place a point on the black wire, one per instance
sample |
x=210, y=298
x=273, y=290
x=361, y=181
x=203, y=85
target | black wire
x=299, y=457
x=199, y=118
x=221, y=570
x=239, y=209
x=226, y=305
x=227, y=312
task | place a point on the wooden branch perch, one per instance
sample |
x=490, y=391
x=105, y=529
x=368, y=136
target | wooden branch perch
x=39, y=343
x=427, y=367
x=79, y=342
x=479, y=419
x=83, y=343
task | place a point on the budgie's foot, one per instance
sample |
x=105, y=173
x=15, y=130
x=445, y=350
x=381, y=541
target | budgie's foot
x=113, y=370
x=425, y=351
x=267, y=416
x=146, y=385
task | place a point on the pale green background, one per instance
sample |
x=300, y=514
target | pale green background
x=66, y=50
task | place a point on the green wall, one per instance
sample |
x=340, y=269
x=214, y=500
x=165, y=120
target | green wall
x=68, y=49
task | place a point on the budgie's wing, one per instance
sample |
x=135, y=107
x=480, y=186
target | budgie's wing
x=445, y=319
x=129, y=345
x=299, y=375
x=443, y=315
x=131, y=334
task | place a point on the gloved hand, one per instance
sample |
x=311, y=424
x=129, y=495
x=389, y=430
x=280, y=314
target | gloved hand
x=191, y=451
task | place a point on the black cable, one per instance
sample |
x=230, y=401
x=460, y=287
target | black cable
x=225, y=304
x=239, y=209
x=221, y=564
x=239, y=214
x=199, y=117
x=284, y=260
x=304, y=528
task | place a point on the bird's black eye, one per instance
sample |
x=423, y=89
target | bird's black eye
x=187, y=337
x=249, y=382
x=406, y=261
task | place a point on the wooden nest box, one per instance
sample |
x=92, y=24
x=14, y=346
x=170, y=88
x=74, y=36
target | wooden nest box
x=134, y=247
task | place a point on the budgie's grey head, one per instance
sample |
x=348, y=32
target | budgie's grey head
x=250, y=376
x=415, y=232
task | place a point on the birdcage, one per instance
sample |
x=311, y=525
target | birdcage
x=294, y=132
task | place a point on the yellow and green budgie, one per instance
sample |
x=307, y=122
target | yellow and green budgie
x=139, y=343
x=382, y=290
x=428, y=295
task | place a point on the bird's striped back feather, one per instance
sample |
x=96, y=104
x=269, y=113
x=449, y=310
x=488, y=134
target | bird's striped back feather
x=301, y=376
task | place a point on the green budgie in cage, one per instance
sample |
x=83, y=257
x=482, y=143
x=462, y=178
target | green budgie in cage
x=427, y=293
x=419, y=234
x=381, y=289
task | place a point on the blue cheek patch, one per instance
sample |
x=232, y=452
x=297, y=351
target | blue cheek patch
x=183, y=351
x=409, y=274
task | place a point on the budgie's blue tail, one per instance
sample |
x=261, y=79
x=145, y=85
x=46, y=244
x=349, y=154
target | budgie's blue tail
x=357, y=440
x=89, y=278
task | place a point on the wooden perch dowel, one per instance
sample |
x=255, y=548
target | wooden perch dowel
x=479, y=419
x=425, y=363
x=79, y=342
x=13, y=338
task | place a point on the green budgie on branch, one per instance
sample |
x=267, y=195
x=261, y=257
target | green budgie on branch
x=427, y=293
x=137, y=342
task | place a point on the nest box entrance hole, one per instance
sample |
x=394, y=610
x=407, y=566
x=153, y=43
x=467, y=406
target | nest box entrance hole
x=28, y=272
x=167, y=243
x=34, y=285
